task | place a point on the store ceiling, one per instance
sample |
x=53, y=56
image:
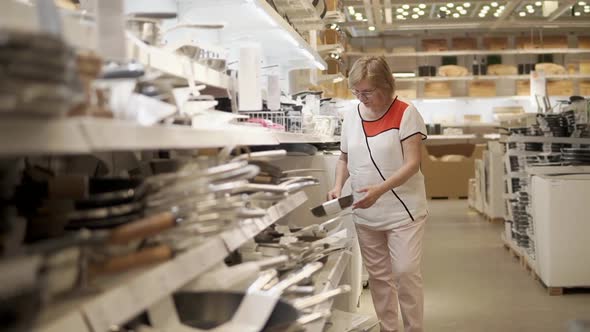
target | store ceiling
x=369, y=18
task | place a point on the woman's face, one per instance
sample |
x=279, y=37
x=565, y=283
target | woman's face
x=369, y=95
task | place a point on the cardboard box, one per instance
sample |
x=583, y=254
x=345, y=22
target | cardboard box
x=495, y=43
x=434, y=45
x=464, y=44
x=449, y=178
x=482, y=89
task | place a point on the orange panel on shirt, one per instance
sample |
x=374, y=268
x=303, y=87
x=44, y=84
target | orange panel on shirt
x=391, y=120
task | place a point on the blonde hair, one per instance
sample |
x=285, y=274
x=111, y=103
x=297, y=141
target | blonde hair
x=375, y=70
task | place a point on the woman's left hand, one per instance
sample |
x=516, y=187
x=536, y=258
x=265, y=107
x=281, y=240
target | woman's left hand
x=373, y=194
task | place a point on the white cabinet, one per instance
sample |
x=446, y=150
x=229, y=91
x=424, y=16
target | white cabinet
x=562, y=227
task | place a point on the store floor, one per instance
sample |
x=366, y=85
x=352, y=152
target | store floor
x=473, y=284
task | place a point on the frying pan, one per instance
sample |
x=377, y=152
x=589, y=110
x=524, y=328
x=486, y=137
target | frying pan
x=207, y=310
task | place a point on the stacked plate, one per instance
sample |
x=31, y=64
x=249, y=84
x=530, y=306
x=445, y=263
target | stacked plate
x=576, y=156
x=556, y=124
x=37, y=73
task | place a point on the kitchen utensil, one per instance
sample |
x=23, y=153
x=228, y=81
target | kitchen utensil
x=248, y=311
x=332, y=206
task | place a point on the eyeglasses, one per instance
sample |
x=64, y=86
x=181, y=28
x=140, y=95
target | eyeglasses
x=366, y=94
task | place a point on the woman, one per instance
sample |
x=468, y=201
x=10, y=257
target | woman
x=381, y=148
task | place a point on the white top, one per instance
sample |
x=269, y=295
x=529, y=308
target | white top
x=375, y=153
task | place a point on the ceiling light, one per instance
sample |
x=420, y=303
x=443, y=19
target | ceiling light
x=415, y=16
x=582, y=3
x=486, y=7
x=371, y=28
x=351, y=10
x=405, y=6
x=358, y=14
x=365, y=19
x=421, y=13
x=416, y=9
x=422, y=6
x=494, y=4
x=531, y=11
x=460, y=8
x=577, y=14
x=406, y=13
x=496, y=14
x=482, y=15
x=443, y=8
x=466, y=5
x=400, y=10
x=359, y=18
x=400, y=17
x=456, y=15
x=586, y=10
x=538, y=4
x=450, y=5
x=522, y=14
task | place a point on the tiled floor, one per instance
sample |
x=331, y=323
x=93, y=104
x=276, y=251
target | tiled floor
x=473, y=284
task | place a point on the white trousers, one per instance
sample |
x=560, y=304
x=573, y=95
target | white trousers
x=392, y=258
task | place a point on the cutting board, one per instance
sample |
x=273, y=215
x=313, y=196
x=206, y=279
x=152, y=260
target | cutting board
x=482, y=89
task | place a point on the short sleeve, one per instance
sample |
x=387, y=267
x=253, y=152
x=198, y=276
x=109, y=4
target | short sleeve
x=344, y=136
x=412, y=124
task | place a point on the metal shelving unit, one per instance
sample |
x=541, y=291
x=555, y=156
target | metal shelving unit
x=127, y=296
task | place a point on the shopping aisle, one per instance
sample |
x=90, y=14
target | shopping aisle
x=473, y=284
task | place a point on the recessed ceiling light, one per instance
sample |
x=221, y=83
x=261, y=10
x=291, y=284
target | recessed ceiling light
x=405, y=6
x=358, y=14
x=502, y=7
x=494, y=4
x=582, y=3
x=400, y=10
x=586, y=10
x=422, y=6
x=456, y=15
x=450, y=5
x=466, y=5
x=463, y=12
x=443, y=8
x=577, y=14
x=538, y=4
x=415, y=16
x=400, y=17
x=421, y=13
x=416, y=9
x=482, y=15
x=406, y=13
x=497, y=14
x=365, y=19
x=359, y=18
x=371, y=28
x=522, y=14
x=486, y=7
x=531, y=11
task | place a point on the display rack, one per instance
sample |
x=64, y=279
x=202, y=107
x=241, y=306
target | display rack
x=489, y=78
x=56, y=136
x=475, y=52
x=127, y=296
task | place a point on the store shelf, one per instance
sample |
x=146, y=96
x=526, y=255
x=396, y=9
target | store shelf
x=130, y=296
x=488, y=78
x=329, y=279
x=475, y=52
x=546, y=139
x=280, y=43
x=331, y=48
x=54, y=136
x=555, y=170
x=174, y=64
x=332, y=78
x=284, y=137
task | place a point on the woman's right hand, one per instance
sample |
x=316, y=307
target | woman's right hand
x=334, y=193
